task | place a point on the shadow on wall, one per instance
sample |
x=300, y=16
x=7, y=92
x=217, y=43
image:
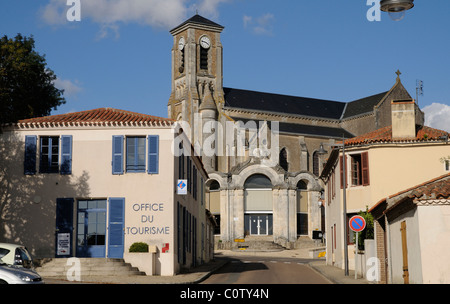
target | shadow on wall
x=28, y=202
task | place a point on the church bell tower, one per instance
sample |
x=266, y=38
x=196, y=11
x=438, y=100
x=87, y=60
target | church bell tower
x=197, y=79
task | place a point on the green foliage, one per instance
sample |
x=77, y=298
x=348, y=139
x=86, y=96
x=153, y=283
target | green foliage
x=26, y=83
x=367, y=233
x=139, y=247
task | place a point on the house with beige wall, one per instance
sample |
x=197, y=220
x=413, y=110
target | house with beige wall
x=92, y=183
x=412, y=233
x=376, y=165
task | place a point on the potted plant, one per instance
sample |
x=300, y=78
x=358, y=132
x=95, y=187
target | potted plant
x=142, y=256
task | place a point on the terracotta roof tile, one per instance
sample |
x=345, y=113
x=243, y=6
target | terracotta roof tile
x=435, y=189
x=385, y=135
x=102, y=116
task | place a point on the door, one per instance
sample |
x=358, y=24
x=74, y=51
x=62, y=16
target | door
x=405, y=253
x=116, y=228
x=64, y=227
x=260, y=224
x=91, y=228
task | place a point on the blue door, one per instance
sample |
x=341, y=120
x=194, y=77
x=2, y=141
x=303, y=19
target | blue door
x=116, y=228
x=91, y=228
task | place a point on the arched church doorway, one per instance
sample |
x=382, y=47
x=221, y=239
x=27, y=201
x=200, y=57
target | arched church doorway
x=258, y=205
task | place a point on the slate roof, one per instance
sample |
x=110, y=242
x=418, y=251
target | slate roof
x=101, y=116
x=197, y=19
x=363, y=105
x=304, y=106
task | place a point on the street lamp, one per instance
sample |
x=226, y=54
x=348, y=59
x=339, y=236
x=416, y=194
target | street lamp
x=396, y=8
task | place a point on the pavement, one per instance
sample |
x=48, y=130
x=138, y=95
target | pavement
x=222, y=257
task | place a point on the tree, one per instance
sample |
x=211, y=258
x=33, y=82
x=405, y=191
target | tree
x=367, y=233
x=26, y=83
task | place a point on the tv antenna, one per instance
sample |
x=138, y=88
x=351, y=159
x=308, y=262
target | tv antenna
x=419, y=89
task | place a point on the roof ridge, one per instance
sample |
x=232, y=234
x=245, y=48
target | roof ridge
x=384, y=134
x=99, y=115
x=411, y=189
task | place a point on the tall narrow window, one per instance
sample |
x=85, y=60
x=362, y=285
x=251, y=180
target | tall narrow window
x=283, y=159
x=135, y=154
x=49, y=158
x=316, y=164
x=203, y=58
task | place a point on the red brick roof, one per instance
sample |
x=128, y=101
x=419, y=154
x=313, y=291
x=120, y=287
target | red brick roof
x=96, y=117
x=384, y=135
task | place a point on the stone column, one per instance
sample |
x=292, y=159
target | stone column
x=224, y=216
x=238, y=214
x=292, y=215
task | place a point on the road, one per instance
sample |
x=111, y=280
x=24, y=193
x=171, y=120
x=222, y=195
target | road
x=266, y=270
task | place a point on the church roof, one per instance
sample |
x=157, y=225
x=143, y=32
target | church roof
x=102, y=116
x=363, y=105
x=303, y=106
x=268, y=102
x=199, y=20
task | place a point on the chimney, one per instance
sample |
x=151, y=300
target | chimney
x=403, y=119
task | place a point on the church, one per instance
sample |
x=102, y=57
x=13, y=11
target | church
x=263, y=152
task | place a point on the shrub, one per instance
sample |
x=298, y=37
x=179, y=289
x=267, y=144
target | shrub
x=139, y=247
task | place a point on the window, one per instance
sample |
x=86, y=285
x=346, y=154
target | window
x=138, y=149
x=359, y=169
x=135, y=154
x=283, y=159
x=55, y=154
x=203, y=58
x=447, y=164
x=316, y=164
x=49, y=158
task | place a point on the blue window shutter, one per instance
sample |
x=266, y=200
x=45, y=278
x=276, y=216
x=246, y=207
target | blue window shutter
x=30, y=155
x=66, y=155
x=117, y=157
x=153, y=154
x=116, y=228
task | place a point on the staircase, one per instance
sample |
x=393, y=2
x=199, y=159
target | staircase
x=58, y=268
x=258, y=243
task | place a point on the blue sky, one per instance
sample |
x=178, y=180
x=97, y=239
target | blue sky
x=118, y=55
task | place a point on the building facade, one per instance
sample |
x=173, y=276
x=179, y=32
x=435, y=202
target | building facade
x=261, y=150
x=412, y=233
x=375, y=165
x=92, y=183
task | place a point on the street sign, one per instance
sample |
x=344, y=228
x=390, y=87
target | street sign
x=182, y=187
x=357, y=223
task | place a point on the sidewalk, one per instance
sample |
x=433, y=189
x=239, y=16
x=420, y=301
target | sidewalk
x=198, y=274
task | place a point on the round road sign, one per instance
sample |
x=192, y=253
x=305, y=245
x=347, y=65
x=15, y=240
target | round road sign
x=357, y=223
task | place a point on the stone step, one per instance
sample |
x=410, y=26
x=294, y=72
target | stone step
x=88, y=267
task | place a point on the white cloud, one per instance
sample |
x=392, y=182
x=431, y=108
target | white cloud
x=70, y=88
x=437, y=116
x=262, y=25
x=109, y=13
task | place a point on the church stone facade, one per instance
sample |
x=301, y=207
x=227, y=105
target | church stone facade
x=265, y=158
